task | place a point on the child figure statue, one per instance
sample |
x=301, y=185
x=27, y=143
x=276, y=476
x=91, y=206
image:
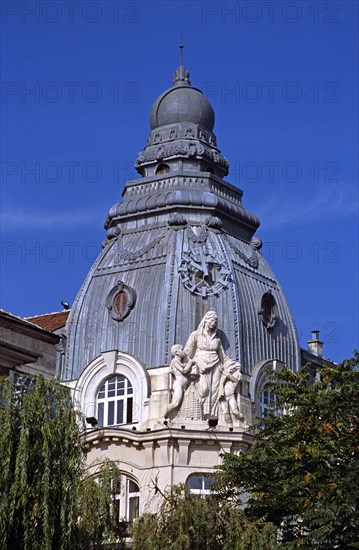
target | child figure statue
x=227, y=393
x=180, y=368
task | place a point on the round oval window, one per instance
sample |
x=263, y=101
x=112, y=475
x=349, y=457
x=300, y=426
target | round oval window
x=120, y=303
x=268, y=306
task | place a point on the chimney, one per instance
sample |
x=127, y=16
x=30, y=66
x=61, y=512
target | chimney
x=315, y=346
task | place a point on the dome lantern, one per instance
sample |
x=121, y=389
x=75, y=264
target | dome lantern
x=182, y=103
x=181, y=132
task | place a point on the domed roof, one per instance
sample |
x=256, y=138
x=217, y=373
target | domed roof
x=182, y=103
x=170, y=299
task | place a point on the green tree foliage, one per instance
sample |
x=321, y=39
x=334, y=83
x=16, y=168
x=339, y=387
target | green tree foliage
x=47, y=499
x=302, y=471
x=98, y=522
x=189, y=522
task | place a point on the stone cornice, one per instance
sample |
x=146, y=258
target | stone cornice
x=16, y=324
x=171, y=436
x=199, y=191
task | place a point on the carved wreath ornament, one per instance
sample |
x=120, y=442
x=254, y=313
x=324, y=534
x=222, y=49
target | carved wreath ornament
x=204, y=274
x=203, y=270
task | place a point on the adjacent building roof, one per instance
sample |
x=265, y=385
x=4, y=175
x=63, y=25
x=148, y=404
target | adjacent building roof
x=26, y=345
x=50, y=321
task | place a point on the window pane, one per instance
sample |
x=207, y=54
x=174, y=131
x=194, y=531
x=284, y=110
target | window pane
x=134, y=506
x=120, y=302
x=129, y=410
x=267, y=401
x=100, y=415
x=117, y=401
x=119, y=412
x=208, y=482
x=111, y=413
x=133, y=487
x=194, y=482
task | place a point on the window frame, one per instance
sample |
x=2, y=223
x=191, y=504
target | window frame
x=85, y=389
x=268, y=407
x=162, y=168
x=126, y=398
x=126, y=498
x=259, y=381
x=203, y=491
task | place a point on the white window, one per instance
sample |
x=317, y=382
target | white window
x=260, y=386
x=129, y=499
x=200, y=484
x=133, y=500
x=115, y=402
x=267, y=400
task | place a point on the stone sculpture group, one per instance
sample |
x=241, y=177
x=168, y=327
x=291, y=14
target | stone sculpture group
x=204, y=373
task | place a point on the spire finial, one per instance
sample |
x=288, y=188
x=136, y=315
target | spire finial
x=181, y=75
x=181, y=46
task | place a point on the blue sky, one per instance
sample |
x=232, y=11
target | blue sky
x=79, y=79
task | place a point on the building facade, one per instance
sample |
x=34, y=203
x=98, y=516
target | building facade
x=167, y=343
x=28, y=348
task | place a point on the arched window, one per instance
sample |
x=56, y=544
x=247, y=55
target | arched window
x=129, y=499
x=200, y=484
x=132, y=500
x=162, y=168
x=267, y=400
x=98, y=385
x=115, y=402
x=262, y=398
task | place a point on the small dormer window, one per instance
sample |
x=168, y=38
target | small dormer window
x=162, y=169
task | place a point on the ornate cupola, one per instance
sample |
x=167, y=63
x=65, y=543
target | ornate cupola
x=178, y=244
x=181, y=137
x=182, y=168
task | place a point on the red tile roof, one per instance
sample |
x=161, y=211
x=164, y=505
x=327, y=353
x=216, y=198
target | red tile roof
x=50, y=321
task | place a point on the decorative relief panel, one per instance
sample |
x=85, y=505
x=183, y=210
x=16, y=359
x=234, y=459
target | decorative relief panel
x=132, y=255
x=181, y=131
x=181, y=148
x=203, y=270
x=251, y=260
